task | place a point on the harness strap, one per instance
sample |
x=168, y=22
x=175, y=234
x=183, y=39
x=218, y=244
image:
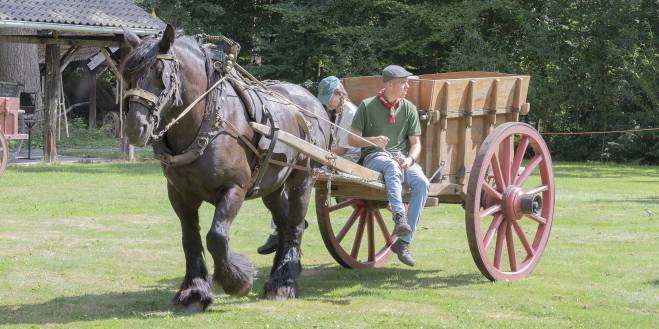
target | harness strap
x=141, y=94
x=262, y=167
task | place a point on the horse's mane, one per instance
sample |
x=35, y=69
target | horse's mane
x=144, y=55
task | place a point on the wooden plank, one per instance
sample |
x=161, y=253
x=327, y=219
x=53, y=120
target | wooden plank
x=430, y=130
x=88, y=41
x=320, y=155
x=443, y=158
x=517, y=100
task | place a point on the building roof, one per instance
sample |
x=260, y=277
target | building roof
x=84, y=13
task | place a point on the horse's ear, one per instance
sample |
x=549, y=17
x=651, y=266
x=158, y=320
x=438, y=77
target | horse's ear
x=131, y=38
x=167, y=39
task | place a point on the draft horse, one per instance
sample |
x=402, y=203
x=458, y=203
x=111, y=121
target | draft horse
x=168, y=73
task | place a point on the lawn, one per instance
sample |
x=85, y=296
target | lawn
x=89, y=246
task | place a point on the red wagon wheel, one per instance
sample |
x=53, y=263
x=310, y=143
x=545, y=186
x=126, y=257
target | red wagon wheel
x=357, y=233
x=4, y=153
x=510, y=202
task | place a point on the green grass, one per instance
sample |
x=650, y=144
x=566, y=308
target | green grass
x=88, y=246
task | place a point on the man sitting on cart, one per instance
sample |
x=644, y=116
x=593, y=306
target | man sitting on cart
x=391, y=123
x=333, y=96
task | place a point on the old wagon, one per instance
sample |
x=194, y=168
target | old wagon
x=9, y=114
x=475, y=153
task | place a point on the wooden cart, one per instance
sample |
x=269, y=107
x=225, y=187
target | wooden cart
x=474, y=152
x=9, y=113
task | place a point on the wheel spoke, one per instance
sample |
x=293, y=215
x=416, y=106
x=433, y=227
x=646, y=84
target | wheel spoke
x=494, y=226
x=512, y=259
x=496, y=169
x=501, y=234
x=507, y=159
x=519, y=155
x=529, y=169
x=490, y=211
x=522, y=238
x=383, y=227
x=537, y=218
x=341, y=205
x=371, y=236
x=490, y=191
x=348, y=225
x=538, y=190
x=358, y=237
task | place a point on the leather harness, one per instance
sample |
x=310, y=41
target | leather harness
x=219, y=66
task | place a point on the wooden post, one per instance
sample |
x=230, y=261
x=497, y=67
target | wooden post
x=444, y=157
x=92, y=99
x=53, y=79
x=517, y=100
x=494, y=106
x=127, y=150
x=467, y=139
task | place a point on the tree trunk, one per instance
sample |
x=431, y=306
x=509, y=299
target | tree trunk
x=19, y=62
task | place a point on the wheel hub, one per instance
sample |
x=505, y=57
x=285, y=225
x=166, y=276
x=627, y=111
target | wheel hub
x=515, y=203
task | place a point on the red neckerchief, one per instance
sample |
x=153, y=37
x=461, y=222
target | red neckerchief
x=390, y=106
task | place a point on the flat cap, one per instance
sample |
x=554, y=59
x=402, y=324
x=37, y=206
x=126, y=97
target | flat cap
x=394, y=72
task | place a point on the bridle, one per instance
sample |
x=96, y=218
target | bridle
x=170, y=95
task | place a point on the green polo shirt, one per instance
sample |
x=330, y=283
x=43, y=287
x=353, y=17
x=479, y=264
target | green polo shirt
x=372, y=119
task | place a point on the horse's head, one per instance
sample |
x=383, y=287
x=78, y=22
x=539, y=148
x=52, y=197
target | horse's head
x=151, y=71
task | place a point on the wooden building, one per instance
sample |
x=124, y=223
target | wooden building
x=66, y=28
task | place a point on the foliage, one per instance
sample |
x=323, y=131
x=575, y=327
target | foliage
x=594, y=64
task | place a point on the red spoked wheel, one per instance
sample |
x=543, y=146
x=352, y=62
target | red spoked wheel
x=4, y=153
x=510, y=202
x=357, y=233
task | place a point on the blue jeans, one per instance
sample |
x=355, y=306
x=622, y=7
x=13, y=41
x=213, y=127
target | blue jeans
x=413, y=177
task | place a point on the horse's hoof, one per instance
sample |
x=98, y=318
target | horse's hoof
x=195, y=307
x=282, y=293
x=238, y=290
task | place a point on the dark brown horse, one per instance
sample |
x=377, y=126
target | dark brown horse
x=171, y=72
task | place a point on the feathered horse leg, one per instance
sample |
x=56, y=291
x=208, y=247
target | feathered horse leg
x=195, y=292
x=234, y=272
x=288, y=211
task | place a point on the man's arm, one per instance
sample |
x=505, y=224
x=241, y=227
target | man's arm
x=415, y=150
x=356, y=141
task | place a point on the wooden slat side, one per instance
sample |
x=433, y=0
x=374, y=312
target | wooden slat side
x=319, y=154
x=443, y=159
x=493, y=106
x=517, y=100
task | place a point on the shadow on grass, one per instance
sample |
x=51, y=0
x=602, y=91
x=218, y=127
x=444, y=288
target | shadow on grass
x=133, y=304
x=317, y=283
x=326, y=282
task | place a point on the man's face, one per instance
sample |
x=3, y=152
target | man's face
x=397, y=87
x=338, y=97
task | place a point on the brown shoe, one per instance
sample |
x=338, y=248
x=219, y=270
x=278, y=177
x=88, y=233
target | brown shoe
x=401, y=228
x=402, y=249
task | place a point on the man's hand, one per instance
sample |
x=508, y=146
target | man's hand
x=405, y=162
x=380, y=141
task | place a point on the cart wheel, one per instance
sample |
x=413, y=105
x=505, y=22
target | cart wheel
x=355, y=250
x=4, y=153
x=513, y=174
x=112, y=122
